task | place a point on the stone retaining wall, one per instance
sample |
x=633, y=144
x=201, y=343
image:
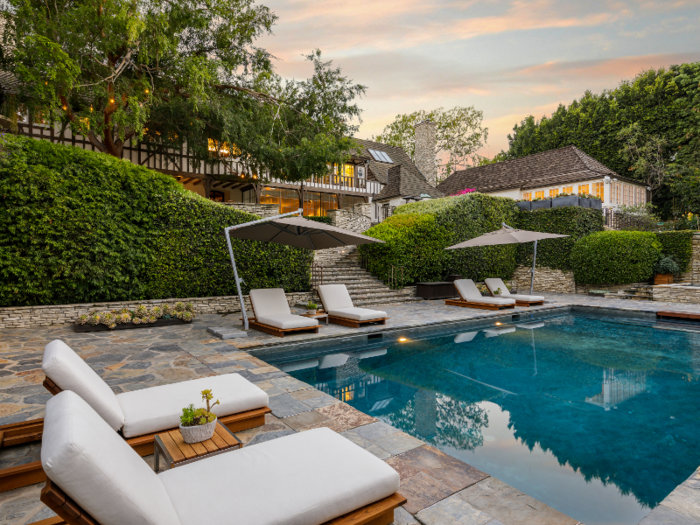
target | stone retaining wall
x=31, y=316
x=546, y=280
x=676, y=294
x=348, y=220
x=693, y=273
x=263, y=210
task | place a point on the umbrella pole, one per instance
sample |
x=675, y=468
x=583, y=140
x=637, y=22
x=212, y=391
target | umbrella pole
x=300, y=211
x=532, y=279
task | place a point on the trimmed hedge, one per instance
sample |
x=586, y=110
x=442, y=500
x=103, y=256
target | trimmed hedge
x=679, y=245
x=615, y=257
x=319, y=218
x=191, y=257
x=566, y=220
x=80, y=226
x=417, y=234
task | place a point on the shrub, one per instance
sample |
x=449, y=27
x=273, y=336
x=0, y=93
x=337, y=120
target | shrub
x=667, y=265
x=566, y=220
x=417, y=234
x=324, y=220
x=615, y=257
x=679, y=245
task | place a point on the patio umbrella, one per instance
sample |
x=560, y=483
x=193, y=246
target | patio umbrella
x=508, y=235
x=291, y=231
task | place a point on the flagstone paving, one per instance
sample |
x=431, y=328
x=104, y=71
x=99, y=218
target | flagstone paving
x=439, y=488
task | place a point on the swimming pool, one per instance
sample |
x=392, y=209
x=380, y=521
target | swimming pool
x=597, y=417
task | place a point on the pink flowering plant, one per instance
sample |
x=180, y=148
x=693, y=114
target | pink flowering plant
x=463, y=192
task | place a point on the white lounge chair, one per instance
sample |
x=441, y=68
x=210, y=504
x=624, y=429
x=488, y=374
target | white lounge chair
x=273, y=316
x=471, y=297
x=309, y=478
x=338, y=305
x=494, y=284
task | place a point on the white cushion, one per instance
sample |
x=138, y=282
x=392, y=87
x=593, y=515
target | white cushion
x=494, y=332
x=530, y=298
x=334, y=297
x=358, y=314
x=302, y=479
x=269, y=302
x=95, y=467
x=333, y=361
x=494, y=284
x=470, y=293
x=66, y=368
x=160, y=407
x=288, y=321
x=466, y=337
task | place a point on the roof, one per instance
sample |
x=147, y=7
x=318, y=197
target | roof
x=549, y=168
x=403, y=183
x=411, y=181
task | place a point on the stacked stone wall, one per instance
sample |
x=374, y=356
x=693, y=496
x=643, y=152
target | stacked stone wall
x=34, y=316
x=263, y=210
x=676, y=294
x=546, y=280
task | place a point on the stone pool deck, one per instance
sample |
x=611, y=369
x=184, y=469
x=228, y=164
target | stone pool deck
x=440, y=489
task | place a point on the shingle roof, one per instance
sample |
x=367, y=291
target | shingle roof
x=411, y=181
x=549, y=168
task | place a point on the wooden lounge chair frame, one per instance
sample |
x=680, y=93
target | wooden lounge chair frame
x=471, y=304
x=70, y=513
x=273, y=330
x=29, y=431
x=353, y=323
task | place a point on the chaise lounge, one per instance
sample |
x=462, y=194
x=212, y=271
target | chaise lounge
x=312, y=478
x=494, y=284
x=273, y=316
x=470, y=297
x=137, y=415
x=338, y=305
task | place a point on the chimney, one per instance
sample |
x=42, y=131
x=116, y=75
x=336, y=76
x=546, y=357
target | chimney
x=426, y=143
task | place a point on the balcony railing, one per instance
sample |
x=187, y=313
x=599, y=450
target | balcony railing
x=341, y=182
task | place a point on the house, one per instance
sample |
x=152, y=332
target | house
x=548, y=174
x=361, y=180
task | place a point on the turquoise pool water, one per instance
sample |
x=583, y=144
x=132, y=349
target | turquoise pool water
x=597, y=418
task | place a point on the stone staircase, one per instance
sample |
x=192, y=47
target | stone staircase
x=636, y=292
x=365, y=289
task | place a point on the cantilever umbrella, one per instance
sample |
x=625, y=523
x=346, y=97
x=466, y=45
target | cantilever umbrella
x=291, y=231
x=508, y=235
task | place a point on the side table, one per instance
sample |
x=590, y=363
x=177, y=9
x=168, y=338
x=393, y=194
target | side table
x=176, y=452
x=317, y=316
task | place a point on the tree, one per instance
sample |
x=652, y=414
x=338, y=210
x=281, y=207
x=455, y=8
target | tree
x=645, y=154
x=174, y=73
x=460, y=135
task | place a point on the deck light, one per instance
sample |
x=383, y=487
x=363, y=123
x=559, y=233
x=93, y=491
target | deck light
x=402, y=339
x=498, y=324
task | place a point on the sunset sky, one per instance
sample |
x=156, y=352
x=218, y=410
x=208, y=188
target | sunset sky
x=507, y=58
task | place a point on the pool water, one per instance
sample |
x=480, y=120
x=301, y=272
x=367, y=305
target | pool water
x=597, y=418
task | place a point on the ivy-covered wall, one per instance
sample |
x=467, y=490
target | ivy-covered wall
x=79, y=226
x=679, y=245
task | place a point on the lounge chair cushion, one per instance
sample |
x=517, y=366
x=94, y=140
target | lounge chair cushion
x=358, y=314
x=68, y=370
x=334, y=297
x=269, y=302
x=160, y=407
x=494, y=284
x=95, y=467
x=285, y=322
x=470, y=293
x=302, y=479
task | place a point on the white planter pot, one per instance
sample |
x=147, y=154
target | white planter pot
x=311, y=312
x=198, y=433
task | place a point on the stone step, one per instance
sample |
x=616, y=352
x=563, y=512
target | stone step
x=633, y=297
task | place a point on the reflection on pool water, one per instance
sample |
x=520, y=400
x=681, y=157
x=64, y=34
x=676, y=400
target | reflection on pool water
x=596, y=418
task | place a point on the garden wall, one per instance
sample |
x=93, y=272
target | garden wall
x=50, y=315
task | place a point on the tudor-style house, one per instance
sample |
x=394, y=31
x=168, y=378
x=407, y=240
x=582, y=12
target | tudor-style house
x=548, y=174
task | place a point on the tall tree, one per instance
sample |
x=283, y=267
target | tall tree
x=646, y=155
x=169, y=73
x=460, y=135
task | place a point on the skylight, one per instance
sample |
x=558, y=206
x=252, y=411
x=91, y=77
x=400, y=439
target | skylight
x=380, y=156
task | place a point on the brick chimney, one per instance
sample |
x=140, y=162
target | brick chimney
x=426, y=143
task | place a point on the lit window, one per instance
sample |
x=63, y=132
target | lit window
x=527, y=196
x=539, y=194
x=583, y=189
x=567, y=189
x=598, y=189
x=349, y=170
x=553, y=192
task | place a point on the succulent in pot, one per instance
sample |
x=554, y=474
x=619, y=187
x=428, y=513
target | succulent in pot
x=198, y=424
x=311, y=308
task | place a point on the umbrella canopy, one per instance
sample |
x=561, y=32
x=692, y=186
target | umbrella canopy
x=299, y=233
x=505, y=236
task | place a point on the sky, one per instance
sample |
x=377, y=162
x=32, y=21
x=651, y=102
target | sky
x=509, y=59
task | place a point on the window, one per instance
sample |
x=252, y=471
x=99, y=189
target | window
x=567, y=189
x=317, y=204
x=553, y=192
x=216, y=196
x=618, y=193
x=539, y=194
x=527, y=196
x=626, y=194
x=349, y=170
x=380, y=156
x=583, y=188
x=349, y=201
x=599, y=189
x=287, y=200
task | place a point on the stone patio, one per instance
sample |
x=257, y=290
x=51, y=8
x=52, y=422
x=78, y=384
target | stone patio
x=440, y=489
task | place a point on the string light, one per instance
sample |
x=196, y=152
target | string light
x=65, y=108
x=111, y=100
x=147, y=92
x=91, y=109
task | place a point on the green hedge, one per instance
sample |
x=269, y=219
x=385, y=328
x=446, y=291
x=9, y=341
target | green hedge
x=566, y=220
x=80, y=226
x=418, y=233
x=679, y=245
x=615, y=257
x=191, y=258
x=318, y=218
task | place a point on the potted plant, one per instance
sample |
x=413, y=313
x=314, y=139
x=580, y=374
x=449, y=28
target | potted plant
x=540, y=203
x=198, y=424
x=311, y=308
x=595, y=202
x=524, y=204
x=664, y=270
x=565, y=199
